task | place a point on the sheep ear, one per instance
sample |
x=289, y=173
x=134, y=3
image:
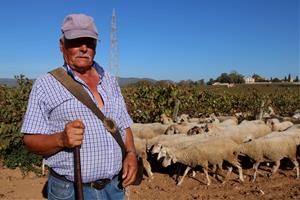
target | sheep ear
x=146, y=140
x=247, y=140
x=158, y=155
x=174, y=160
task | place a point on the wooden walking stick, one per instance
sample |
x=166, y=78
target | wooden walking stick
x=77, y=174
x=61, y=75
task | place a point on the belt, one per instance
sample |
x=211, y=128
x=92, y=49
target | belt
x=99, y=184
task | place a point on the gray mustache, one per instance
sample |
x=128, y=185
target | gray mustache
x=82, y=55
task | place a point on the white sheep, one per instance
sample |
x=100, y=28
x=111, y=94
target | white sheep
x=181, y=128
x=183, y=118
x=279, y=126
x=147, y=131
x=161, y=138
x=273, y=149
x=296, y=115
x=159, y=141
x=230, y=118
x=293, y=131
x=197, y=130
x=211, y=119
x=140, y=145
x=247, y=130
x=239, y=134
x=165, y=119
x=212, y=151
x=178, y=143
x=218, y=127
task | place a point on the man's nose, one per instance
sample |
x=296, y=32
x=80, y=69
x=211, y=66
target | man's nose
x=83, y=47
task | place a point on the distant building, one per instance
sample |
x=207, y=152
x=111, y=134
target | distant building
x=225, y=84
x=249, y=80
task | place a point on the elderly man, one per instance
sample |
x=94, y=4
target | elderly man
x=55, y=121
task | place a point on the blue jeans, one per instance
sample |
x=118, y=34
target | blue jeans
x=59, y=189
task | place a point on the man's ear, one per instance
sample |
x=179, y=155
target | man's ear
x=61, y=45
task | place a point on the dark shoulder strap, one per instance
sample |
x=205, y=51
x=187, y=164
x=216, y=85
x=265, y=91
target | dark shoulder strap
x=78, y=91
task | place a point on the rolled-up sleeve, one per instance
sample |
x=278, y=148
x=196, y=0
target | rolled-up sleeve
x=36, y=120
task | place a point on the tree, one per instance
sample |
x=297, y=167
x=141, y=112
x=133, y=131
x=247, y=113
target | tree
x=210, y=81
x=289, y=78
x=258, y=78
x=296, y=79
x=186, y=83
x=223, y=78
x=200, y=82
x=276, y=80
x=233, y=77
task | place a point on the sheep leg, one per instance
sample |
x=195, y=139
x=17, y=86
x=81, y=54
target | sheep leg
x=233, y=161
x=178, y=170
x=237, y=165
x=194, y=173
x=184, y=174
x=43, y=167
x=255, y=167
x=218, y=171
x=297, y=167
x=275, y=168
x=205, y=169
x=147, y=167
x=214, y=169
x=227, y=174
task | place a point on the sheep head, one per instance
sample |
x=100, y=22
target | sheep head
x=156, y=148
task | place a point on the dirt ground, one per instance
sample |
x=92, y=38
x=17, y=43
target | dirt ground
x=283, y=186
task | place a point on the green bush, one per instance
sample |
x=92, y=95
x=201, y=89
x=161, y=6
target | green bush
x=13, y=105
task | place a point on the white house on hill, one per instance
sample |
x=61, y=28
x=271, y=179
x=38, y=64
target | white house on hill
x=249, y=80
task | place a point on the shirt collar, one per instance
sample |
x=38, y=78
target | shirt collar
x=98, y=68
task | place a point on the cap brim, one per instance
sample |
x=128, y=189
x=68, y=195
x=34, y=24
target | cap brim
x=73, y=34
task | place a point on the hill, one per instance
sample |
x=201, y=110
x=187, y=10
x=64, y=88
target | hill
x=122, y=81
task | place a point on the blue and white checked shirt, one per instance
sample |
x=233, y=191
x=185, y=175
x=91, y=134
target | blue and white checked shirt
x=51, y=106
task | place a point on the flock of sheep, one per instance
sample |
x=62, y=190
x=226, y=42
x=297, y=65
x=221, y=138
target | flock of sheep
x=216, y=143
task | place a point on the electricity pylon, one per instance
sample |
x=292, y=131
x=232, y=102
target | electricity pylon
x=114, y=50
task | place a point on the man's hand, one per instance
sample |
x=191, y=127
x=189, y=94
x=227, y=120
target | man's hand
x=73, y=134
x=129, y=169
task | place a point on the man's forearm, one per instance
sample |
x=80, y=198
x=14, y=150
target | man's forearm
x=129, y=143
x=44, y=145
x=47, y=145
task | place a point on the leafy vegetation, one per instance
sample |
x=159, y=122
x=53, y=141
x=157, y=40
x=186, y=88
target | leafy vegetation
x=146, y=101
x=13, y=102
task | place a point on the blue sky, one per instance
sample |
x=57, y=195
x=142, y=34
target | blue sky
x=159, y=39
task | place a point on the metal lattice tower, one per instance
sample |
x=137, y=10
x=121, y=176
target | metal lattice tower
x=114, y=51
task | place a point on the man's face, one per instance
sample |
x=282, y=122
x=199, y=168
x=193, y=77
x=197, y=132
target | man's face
x=79, y=53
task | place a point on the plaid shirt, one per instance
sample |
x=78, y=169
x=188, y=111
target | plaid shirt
x=51, y=106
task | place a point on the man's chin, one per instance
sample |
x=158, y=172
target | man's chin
x=81, y=68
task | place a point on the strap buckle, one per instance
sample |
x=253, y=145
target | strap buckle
x=110, y=125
